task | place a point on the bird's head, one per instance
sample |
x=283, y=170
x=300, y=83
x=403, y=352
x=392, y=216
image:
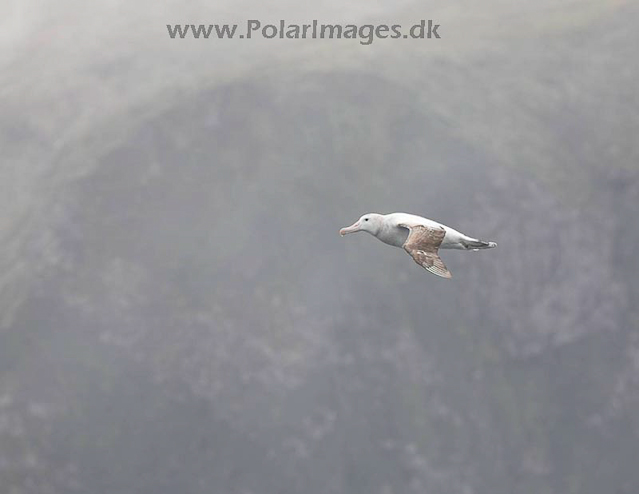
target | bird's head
x=370, y=222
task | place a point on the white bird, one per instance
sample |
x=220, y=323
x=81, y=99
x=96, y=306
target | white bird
x=420, y=237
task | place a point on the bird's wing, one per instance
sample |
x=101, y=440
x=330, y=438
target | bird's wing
x=422, y=245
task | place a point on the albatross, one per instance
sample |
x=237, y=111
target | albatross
x=420, y=237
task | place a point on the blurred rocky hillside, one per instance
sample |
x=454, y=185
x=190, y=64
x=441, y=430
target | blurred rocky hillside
x=179, y=314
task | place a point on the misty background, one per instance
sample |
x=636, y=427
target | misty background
x=178, y=313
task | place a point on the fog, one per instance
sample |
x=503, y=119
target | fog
x=178, y=313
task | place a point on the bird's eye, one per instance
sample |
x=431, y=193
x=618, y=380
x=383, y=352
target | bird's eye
x=365, y=219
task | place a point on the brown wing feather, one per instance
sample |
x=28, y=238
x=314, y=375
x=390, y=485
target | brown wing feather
x=422, y=245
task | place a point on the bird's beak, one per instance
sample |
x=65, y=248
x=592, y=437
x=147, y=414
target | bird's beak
x=350, y=229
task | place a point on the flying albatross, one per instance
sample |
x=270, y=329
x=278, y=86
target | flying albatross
x=420, y=237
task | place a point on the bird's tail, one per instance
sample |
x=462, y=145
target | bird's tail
x=475, y=244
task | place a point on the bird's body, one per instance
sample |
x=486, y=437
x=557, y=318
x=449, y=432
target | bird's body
x=419, y=236
x=393, y=234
